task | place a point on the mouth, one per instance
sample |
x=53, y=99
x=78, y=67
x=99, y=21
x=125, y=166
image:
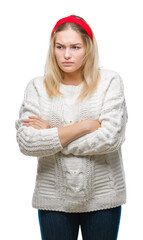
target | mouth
x=67, y=63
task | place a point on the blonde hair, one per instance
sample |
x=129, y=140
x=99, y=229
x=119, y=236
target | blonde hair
x=90, y=70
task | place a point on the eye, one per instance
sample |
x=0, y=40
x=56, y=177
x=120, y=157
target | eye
x=75, y=47
x=59, y=47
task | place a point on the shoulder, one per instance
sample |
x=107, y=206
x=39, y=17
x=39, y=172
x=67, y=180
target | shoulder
x=107, y=74
x=35, y=86
x=110, y=77
x=36, y=82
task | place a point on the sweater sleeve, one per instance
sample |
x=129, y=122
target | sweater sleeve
x=113, y=118
x=31, y=141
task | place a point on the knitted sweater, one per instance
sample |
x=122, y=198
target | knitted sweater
x=88, y=173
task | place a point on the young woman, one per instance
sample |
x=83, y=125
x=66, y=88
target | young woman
x=73, y=119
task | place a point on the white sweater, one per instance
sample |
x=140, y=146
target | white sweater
x=88, y=173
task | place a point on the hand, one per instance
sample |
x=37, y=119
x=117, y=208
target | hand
x=36, y=122
x=92, y=125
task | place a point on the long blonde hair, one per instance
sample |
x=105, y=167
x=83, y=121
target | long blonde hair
x=90, y=71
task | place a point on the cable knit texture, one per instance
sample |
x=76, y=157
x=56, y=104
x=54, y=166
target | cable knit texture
x=88, y=173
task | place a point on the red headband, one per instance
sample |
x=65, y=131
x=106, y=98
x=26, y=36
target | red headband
x=78, y=21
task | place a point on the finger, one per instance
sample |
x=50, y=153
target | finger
x=35, y=126
x=38, y=118
x=35, y=122
x=39, y=122
x=26, y=120
x=38, y=126
x=34, y=117
x=32, y=125
x=31, y=117
x=31, y=120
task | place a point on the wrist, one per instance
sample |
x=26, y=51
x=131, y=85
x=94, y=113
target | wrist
x=84, y=125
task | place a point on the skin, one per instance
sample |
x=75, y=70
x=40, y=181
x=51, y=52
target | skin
x=69, y=47
x=36, y=122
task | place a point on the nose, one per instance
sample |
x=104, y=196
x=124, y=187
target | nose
x=67, y=54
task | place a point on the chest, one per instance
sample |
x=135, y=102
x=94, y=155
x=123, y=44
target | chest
x=60, y=111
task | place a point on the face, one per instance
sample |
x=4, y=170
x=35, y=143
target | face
x=69, y=50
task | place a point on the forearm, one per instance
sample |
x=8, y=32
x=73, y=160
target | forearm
x=107, y=139
x=70, y=133
x=38, y=143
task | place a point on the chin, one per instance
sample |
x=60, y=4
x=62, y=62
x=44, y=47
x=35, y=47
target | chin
x=69, y=70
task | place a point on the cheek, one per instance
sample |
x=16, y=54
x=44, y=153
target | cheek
x=57, y=55
x=80, y=57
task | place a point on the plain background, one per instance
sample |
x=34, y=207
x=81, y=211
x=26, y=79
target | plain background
x=25, y=30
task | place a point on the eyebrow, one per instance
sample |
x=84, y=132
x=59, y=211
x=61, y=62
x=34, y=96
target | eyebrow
x=73, y=44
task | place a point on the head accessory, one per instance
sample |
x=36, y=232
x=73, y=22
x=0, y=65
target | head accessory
x=73, y=19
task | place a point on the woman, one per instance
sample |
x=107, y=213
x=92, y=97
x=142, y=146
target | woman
x=73, y=119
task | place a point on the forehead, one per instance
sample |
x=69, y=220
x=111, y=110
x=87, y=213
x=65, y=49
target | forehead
x=68, y=36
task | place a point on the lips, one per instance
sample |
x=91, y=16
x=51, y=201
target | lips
x=67, y=63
